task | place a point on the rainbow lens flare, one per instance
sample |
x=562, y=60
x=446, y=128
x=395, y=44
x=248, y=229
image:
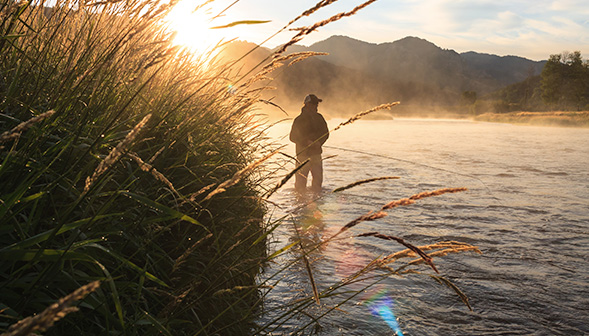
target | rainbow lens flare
x=381, y=305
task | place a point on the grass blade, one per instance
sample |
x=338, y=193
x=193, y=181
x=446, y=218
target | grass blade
x=452, y=286
x=164, y=209
x=237, y=23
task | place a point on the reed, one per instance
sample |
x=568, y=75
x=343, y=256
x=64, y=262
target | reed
x=448, y=247
x=116, y=153
x=360, y=182
x=359, y=115
x=308, y=30
x=393, y=204
x=286, y=178
x=146, y=167
x=23, y=126
x=121, y=137
x=372, y=273
x=45, y=320
x=424, y=256
x=238, y=176
x=318, y=6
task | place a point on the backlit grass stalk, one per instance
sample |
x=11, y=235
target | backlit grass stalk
x=447, y=246
x=360, y=182
x=238, y=176
x=45, y=320
x=286, y=178
x=363, y=113
x=426, y=258
x=318, y=6
x=396, y=203
x=146, y=167
x=22, y=127
x=116, y=153
x=309, y=29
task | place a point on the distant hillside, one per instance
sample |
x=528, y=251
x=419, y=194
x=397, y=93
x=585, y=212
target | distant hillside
x=408, y=60
x=249, y=54
x=412, y=59
x=504, y=70
x=521, y=96
x=357, y=75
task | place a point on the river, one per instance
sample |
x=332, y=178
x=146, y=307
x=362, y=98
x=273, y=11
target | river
x=526, y=209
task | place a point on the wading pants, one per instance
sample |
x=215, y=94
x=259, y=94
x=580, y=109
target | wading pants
x=315, y=166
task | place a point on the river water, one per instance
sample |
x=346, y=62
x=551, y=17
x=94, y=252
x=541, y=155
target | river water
x=526, y=209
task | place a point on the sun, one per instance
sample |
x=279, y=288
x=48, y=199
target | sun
x=193, y=28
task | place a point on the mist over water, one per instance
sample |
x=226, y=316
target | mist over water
x=527, y=209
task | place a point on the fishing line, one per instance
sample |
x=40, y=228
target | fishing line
x=388, y=157
x=498, y=200
x=413, y=163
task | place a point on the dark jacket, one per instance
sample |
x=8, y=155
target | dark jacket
x=309, y=131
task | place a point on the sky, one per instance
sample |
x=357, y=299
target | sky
x=530, y=29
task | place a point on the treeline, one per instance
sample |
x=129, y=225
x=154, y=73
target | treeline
x=563, y=85
x=565, y=82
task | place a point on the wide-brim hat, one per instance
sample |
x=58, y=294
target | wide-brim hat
x=312, y=99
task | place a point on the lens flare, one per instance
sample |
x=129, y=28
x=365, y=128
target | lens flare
x=381, y=305
x=193, y=27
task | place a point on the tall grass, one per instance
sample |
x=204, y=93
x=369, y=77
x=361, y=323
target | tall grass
x=117, y=183
x=129, y=161
x=310, y=308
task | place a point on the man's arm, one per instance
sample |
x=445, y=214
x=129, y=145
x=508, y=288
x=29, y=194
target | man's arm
x=295, y=132
x=324, y=131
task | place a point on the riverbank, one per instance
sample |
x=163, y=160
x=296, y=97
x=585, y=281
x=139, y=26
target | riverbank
x=125, y=161
x=556, y=118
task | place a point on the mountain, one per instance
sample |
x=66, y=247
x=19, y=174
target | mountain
x=505, y=70
x=410, y=59
x=413, y=59
x=357, y=75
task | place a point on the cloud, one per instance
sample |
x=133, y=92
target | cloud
x=570, y=6
x=518, y=27
x=557, y=27
x=502, y=23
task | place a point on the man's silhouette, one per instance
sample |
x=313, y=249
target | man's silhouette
x=309, y=132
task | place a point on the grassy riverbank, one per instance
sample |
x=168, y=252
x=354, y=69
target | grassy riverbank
x=126, y=160
x=557, y=118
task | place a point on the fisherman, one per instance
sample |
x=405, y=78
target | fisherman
x=309, y=132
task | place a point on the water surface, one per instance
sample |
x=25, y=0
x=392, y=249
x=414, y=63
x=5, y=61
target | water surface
x=527, y=210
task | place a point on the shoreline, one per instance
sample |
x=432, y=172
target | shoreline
x=573, y=119
x=578, y=119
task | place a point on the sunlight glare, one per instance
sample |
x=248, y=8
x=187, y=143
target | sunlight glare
x=193, y=27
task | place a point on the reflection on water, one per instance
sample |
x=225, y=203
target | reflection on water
x=526, y=209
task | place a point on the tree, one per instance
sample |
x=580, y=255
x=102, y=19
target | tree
x=578, y=80
x=552, y=80
x=565, y=81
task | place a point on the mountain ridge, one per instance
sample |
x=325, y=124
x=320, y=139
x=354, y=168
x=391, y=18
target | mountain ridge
x=357, y=75
x=417, y=59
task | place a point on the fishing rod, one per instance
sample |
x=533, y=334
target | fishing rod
x=406, y=161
